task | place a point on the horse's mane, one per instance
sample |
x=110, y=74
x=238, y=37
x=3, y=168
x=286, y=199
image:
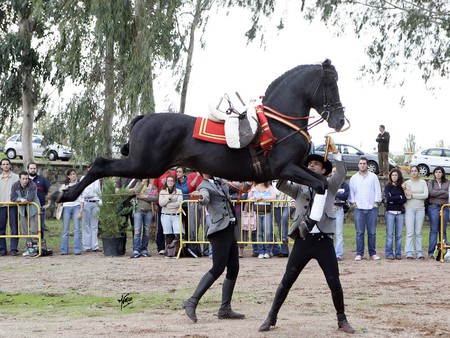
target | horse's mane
x=327, y=75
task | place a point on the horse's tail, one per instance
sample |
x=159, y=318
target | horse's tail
x=125, y=150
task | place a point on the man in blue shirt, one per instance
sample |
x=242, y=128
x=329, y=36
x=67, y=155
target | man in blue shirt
x=42, y=185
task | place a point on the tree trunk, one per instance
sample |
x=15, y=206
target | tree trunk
x=27, y=92
x=110, y=107
x=190, y=53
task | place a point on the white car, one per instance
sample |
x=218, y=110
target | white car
x=428, y=159
x=13, y=148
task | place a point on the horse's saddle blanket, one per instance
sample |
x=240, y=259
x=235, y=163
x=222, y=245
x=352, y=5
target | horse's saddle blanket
x=234, y=132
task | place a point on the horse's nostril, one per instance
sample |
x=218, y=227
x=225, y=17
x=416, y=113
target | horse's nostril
x=342, y=121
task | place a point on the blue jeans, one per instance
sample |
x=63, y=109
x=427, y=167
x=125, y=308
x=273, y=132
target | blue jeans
x=42, y=222
x=142, y=221
x=414, y=222
x=339, y=247
x=67, y=214
x=435, y=226
x=394, y=226
x=14, y=242
x=265, y=234
x=366, y=218
x=282, y=219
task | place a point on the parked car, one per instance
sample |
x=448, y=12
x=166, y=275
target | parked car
x=351, y=155
x=427, y=160
x=13, y=148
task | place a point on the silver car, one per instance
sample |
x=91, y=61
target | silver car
x=351, y=155
x=427, y=160
x=13, y=148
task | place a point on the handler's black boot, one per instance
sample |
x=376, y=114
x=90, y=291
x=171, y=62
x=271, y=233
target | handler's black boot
x=225, y=311
x=280, y=297
x=306, y=226
x=338, y=301
x=191, y=304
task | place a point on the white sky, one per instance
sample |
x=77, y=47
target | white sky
x=228, y=64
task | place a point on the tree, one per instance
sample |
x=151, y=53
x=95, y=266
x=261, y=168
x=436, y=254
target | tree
x=402, y=33
x=24, y=70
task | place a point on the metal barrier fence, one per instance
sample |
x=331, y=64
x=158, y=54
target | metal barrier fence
x=441, y=233
x=258, y=223
x=26, y=228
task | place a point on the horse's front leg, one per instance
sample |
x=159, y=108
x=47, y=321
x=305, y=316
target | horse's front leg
x=302, y=175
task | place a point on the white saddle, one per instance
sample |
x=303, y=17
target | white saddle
x=241, y=126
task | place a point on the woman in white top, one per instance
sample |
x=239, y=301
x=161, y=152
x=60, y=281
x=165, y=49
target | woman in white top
x=416, y=192
x=71, y=210
x=170, y=199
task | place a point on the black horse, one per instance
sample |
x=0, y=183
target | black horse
x=158, y=142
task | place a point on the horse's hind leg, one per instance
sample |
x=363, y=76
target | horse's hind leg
x=303, y=175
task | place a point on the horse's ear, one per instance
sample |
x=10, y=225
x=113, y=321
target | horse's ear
x=326, y=63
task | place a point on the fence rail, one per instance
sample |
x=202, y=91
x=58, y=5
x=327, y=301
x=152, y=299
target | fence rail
x=24, y=226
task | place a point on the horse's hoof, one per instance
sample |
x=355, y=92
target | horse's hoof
x=55, y=193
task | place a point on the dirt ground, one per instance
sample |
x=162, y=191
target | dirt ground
x=383, y=298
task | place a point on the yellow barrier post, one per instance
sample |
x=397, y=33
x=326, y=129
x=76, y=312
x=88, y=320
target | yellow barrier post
x=199, y=226
x=441, y=230
x=29, y=235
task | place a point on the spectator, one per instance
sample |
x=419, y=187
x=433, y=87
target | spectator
x=416, y=192
x=42, y=185
x=216, y=197
x=395, y=199
x=91, y=197
x=262, y=193
x=383, y=151
x=339, y=202
x=282, y=211
x=72, y=210
x=182, y=184
x=365, y=195
x=170, y=199
x=239, y=191
x=438, y=189
x=128, y=184
x=248, y=220
x=158, y=182
x=316, y=244
x=196, y=220
x=146, y=195
x=25, y=191
x=8, y=213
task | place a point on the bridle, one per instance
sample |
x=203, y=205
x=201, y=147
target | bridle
x=328, y=108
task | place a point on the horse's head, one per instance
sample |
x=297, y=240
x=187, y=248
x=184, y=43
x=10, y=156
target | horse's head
x=326, y=97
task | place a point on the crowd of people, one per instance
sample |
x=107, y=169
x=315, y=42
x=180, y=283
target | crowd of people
x=160, y=200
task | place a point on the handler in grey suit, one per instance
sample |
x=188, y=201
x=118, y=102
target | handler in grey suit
x=216, y=196
x=318, y=243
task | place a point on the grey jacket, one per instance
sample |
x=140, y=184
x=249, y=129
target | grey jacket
x=215, y=200
x=302, y=196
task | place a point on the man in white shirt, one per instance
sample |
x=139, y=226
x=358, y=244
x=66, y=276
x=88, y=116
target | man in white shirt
x=7, y=179
x=365, y=196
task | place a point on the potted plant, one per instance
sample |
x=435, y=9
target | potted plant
x=112, y=223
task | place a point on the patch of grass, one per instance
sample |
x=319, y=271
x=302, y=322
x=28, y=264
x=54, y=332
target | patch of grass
x=78, y=306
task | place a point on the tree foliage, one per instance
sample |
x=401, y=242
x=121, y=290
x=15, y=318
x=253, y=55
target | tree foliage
x=402, y=34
